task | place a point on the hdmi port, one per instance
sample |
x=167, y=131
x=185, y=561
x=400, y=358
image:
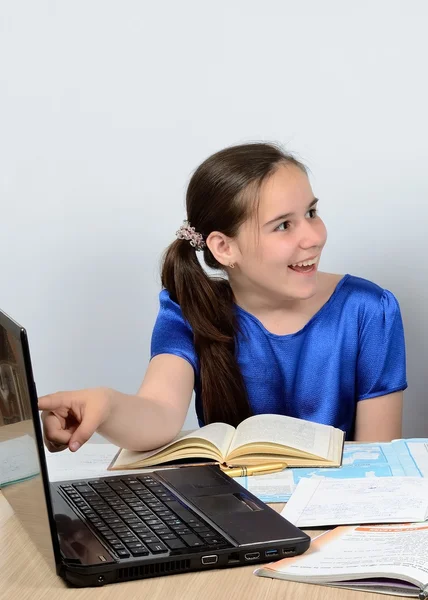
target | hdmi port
x=252, y=556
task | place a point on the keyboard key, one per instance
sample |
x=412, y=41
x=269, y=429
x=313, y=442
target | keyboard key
x=192, y=540
x=139, y=551
x=123, y=553
x=149, y=539
x=139, y=527
x=169, y=536
x=215, y=541
x=162, y=529
x=175, y=544
x=130, y=540
x=174, y=523
x=157, y=548
x=117, y=545
x=82, y=487
x=178, y=509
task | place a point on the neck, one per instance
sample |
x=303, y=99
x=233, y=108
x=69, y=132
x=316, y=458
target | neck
x=257, y=302
x=282, y=315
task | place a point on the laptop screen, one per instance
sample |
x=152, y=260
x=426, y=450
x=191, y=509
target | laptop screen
x=21, y=464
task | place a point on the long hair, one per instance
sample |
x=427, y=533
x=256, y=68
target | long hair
x=220, y=197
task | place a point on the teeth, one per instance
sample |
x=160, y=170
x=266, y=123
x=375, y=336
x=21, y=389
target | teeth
x=306, y=263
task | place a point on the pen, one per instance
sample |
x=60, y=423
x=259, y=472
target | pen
x=257, y=470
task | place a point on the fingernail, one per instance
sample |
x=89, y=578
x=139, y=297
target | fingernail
x=74, y=446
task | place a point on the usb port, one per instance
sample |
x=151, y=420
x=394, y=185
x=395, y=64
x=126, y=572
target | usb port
x=270, y=553
x=289, y=551
x=252, y=556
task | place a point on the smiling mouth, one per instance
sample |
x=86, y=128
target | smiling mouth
x=306, y=266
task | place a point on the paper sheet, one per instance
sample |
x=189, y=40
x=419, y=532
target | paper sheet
x=18, y=459
x=322, y=502
x=90, y=461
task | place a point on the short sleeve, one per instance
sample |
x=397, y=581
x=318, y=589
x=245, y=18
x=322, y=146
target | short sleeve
x=381, y=366
x=172, y=334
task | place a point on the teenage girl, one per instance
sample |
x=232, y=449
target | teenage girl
x=270, y=334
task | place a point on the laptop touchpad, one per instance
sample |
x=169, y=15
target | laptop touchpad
x=224, y=503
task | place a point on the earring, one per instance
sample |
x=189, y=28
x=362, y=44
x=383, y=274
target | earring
x=232, y=265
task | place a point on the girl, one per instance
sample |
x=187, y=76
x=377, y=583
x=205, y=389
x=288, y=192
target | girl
x=272, y=335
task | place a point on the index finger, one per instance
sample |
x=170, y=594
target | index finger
x=55, y=401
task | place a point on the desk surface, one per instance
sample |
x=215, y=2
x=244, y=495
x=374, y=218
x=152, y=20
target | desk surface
x=26, y=575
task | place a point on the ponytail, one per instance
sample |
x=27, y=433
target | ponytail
x=222, y=193
x=207, y=303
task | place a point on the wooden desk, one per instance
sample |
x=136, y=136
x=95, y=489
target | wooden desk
x=27, y=572
x=26, y=575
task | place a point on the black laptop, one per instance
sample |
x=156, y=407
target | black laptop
x=119, y=528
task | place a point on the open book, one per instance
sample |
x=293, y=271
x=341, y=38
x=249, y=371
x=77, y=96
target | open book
x=257, y=440
x=389, y=559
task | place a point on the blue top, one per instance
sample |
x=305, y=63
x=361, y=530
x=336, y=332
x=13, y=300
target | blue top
x=351, y=349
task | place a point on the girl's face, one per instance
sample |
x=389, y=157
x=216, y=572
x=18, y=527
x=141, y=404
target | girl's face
x=279, y=249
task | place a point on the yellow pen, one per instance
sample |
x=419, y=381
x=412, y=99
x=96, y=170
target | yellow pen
x=256, y=470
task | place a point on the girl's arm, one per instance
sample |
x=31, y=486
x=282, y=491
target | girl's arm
x=379, y=419
x=143, y=421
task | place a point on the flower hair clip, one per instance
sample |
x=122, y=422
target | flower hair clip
x=186, y=232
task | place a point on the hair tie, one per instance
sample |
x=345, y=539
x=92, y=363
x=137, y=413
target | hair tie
x=186, y=232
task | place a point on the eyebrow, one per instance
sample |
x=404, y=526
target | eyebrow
x=288, y=215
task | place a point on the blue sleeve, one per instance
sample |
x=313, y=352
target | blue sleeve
x=172, y=334
x=381, y=366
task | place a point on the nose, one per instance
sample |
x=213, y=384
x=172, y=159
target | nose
x=312, y=234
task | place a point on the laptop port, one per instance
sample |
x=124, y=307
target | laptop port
x=269, y=553
x=233, y=558
x=289, y=551
x=209, y=560
x=252, y=555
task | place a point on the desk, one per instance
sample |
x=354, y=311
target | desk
x=26, y=575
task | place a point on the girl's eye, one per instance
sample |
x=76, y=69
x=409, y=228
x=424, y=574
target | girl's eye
x=312, y=213
x=283, y=226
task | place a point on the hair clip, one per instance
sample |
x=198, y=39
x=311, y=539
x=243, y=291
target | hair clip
x=186, y=232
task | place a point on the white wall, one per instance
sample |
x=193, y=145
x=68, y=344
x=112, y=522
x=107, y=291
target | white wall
x=107, y=107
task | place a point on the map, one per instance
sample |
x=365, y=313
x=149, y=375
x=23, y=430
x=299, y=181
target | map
x=406, y=458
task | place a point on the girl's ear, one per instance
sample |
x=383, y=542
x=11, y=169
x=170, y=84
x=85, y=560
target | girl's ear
x=223, y=248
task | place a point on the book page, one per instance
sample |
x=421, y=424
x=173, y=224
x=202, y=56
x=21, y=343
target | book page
x=346, y=553
x=217, y=434
x=322, y=502
x=305, y=436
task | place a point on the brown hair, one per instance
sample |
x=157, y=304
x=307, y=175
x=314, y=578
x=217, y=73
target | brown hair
x=217, y=199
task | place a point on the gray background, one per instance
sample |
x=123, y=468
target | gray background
x=106, y=109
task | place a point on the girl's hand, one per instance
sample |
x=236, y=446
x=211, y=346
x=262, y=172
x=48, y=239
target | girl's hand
x=70, y=418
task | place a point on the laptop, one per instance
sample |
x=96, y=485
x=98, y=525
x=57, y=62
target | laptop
x=119, y=528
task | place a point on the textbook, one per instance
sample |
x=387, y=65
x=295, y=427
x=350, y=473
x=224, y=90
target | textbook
x=388, y=559
x=258, y=440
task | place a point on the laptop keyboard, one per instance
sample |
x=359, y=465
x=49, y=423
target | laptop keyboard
x=138, y=516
